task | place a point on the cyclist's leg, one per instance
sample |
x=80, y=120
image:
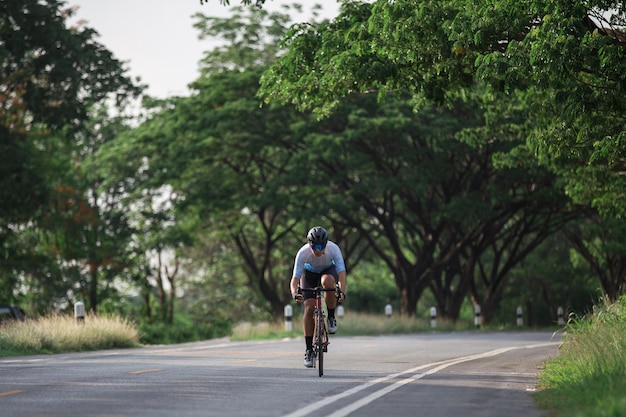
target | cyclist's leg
x=329, y=279
x=308, y=321
x=309, y=280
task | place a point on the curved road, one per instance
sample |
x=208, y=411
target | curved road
x=488, y=374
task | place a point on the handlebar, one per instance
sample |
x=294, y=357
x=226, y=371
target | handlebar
x=320, y=289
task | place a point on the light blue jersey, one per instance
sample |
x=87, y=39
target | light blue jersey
x=306, y=260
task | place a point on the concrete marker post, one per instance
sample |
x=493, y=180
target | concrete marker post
x=520, y=316
x=477, y=316
x=560, y=316
x=79, y=312
x=388, y=310
x=433, y=317
x=288, y=312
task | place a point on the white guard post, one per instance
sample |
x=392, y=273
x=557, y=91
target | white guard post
x=560, y=318
x=477, y=315
x=79, y=311
x=433, y=317
x=388, y=310
x=288, y=317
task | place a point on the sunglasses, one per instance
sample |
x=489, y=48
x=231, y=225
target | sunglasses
x=318, y=247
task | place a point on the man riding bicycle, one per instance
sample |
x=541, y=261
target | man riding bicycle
x=318, y=262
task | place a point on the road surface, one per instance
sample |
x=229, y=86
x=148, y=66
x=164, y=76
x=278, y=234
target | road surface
x=469, y=374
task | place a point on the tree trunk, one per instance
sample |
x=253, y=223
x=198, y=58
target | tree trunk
x=93, y=288
x=171, y=278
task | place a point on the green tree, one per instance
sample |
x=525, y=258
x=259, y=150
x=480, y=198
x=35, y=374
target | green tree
x=565, y=57
x=423, y=190
x=83, y=235
x=50, y=77
x=600, y=242
x=548, y=278
x=223, y=156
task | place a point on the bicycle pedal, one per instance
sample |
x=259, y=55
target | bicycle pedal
x=325, y=349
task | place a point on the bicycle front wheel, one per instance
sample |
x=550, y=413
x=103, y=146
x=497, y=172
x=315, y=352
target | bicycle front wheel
x=319, y=341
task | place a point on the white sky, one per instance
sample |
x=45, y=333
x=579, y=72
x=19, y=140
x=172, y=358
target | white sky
x=156, y=38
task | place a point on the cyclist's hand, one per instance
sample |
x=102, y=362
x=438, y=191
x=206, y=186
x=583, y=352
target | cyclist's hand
x=341, y=296
x=297, y=297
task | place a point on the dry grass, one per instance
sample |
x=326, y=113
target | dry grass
x=61, y=333
x=355, y=324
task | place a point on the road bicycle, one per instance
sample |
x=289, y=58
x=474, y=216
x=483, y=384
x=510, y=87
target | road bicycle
x=320, y=331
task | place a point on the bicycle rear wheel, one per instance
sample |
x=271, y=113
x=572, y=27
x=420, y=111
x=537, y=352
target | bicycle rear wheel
x=319, y=341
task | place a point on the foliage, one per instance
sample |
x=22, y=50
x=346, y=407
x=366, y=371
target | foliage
x=600, y=243
x=546, y=280
x=589, y=376
x=420, y=190
x=428, y=172
x=159, y=333
x=371, y=288
x=565, y=58
x=51, y=76
x=219, y=132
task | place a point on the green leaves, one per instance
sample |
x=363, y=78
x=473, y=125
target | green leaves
x=50, y=71
x=50, y=76
x=567, y=58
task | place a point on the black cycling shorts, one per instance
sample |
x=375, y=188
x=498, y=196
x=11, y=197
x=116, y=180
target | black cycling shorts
x=313, y=279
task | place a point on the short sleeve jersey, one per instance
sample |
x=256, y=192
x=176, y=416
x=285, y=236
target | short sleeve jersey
x=306, y=260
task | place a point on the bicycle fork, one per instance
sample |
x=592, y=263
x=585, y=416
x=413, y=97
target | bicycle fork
x=320, y=317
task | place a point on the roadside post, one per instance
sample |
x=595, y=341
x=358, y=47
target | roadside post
x=433, y=317
x=520, y=316
x=388, y=310
x=477, y=316
x=79, y=312
x=288, y=311
x=340, y=311
x=560, y=317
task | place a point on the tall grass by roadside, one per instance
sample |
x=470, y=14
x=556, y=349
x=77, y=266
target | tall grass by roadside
x=354, y=324
x=62, y=333
x=589, y=377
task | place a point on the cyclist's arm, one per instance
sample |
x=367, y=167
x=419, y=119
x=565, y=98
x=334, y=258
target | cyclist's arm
x=298, y=269
x=342, y=281
x=340, y=266
x=295, y=283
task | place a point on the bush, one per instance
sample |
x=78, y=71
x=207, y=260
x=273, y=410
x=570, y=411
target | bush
x=182, y=331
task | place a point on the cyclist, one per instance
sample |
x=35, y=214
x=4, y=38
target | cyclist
x=318, y=262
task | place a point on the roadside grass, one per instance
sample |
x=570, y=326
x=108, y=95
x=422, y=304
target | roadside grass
x=358, y=324
x=63, y=333
x=589, y=376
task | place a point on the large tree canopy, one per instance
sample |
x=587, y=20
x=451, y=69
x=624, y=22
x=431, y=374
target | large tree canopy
x=51, y=75
x=566, y=58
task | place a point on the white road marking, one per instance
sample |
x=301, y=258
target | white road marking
x=437, y=366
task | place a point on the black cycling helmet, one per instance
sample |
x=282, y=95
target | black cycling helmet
x=317, y=236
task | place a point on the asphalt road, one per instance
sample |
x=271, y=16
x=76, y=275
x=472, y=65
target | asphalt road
x=469, y=374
